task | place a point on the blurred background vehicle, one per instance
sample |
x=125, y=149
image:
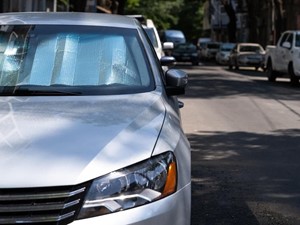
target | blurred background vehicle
x=186, y=52
x=201, y=41
x=209, y=51
x=153, y=35
x=222, y=56
x=175, y=36
x=247, y=55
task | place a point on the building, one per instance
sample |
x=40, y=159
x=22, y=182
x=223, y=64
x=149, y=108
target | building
x=33, y=5
x=256, y=21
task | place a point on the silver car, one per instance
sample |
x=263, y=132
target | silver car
x=90, y=125
x=247, y=55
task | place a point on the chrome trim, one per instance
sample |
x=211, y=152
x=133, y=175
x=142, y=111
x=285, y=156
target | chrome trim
x=36, y=219
x=39, y=207
x=17, y=197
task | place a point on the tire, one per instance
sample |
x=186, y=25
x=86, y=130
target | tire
x=293, y=78
x=195, y=63
x=270, y=73
x=237, y=66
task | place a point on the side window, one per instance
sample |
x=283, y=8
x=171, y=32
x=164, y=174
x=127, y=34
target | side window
x=297, y=43
x=290, y=39
x=283, y=39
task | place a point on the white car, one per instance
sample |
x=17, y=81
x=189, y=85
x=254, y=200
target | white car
x=209, y=51
x=283, y=59
x=247, y=55
x=90, y=125
x=223, y=54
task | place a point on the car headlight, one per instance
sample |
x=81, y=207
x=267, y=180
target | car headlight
x=130, y=187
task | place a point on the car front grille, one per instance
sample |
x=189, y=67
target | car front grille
x=47, y=206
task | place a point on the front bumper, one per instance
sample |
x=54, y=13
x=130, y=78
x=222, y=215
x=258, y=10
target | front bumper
x=250, y=62
x=172, y=210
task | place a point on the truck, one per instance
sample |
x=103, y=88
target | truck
x=284, y=58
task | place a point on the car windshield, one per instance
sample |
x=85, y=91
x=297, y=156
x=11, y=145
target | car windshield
x=226, y=47
x=185, y=48
x=36, y=59
x=213, y=46
x=250, y=48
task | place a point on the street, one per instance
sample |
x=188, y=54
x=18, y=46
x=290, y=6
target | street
x=245, y=137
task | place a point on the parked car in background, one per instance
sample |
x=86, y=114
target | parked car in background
x=222, y=56
x=186, y=52
x=153, y=35
x=90, y=124
x=247, y=55
x=283, y=59
x=175, y=36
x=201, y=42
x=209, y=51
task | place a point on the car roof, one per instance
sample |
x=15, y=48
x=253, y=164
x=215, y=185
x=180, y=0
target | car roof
x=67, y=18
x=249, y=44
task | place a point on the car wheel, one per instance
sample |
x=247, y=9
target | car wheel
x=195, y=63
x=293, y=78
x=237, y=66
x=270, y=73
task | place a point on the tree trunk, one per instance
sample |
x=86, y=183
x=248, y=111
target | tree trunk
x=78, y=5
x=232, y=20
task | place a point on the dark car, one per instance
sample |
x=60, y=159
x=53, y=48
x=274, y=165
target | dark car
x=186, y=52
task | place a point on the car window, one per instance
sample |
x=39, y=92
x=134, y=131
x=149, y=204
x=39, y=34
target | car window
x=250, y=48
x=213, y=46
x=290, y=39
x=151, y=34
x=72, y=56
x=283, y=39
x=297, y=40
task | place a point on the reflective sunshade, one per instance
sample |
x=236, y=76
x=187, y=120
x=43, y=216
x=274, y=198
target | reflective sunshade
x=76, y=56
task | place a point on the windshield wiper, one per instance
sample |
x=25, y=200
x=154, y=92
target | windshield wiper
x=37, y=90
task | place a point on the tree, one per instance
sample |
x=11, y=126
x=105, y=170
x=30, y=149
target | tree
x=78, y=5
x=191, y=19
x=232, y=20
x=164, y=13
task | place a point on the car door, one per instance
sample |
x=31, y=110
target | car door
x=282, y=54
x=296, y=53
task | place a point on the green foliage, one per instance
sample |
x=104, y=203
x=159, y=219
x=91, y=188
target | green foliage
x=64, y=2
x=191, y=19
x=164, y=13
x=186, y=15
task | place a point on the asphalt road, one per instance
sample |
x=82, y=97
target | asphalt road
x=245, y=137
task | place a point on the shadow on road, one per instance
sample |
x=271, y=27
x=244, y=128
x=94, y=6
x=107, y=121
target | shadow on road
x=234, y=181
x=214, y=83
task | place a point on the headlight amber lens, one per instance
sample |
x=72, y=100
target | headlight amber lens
x=132, y=186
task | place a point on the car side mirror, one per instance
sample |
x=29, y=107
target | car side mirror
x=176, y=81
x=286, y=45
x=168, y=45
x=167, y=61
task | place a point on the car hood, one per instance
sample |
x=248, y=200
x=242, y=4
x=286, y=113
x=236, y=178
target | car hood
x=53, y=141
